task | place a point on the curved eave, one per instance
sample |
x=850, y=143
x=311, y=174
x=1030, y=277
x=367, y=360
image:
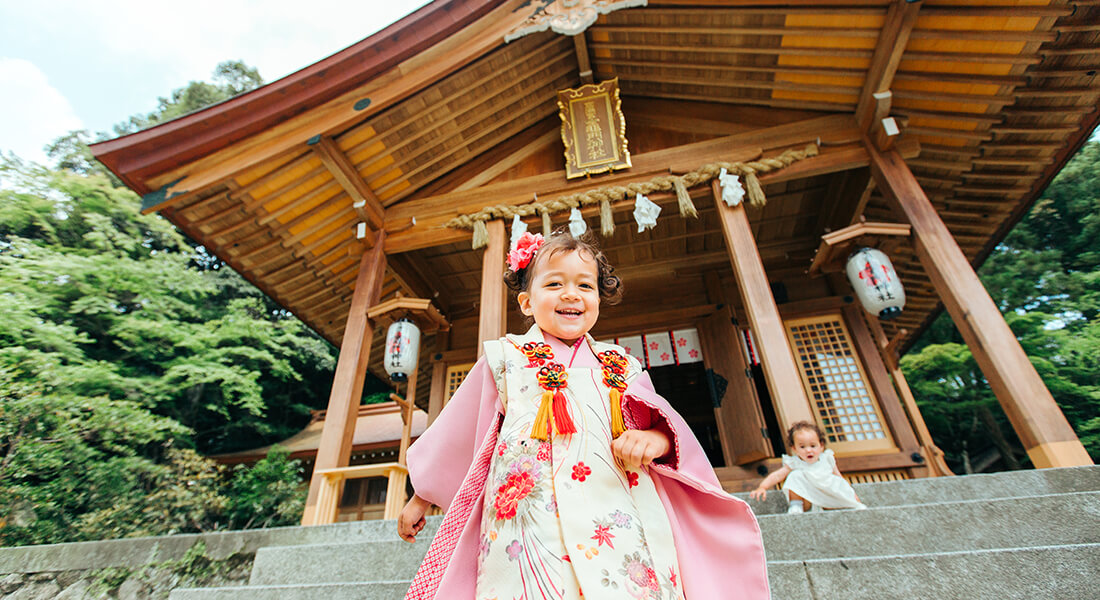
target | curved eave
x=133, y=158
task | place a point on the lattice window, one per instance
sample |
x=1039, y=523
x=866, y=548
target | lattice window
x=837, y=385
x=455, y=375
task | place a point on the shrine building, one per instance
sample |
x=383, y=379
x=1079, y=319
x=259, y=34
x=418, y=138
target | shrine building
x=733, y=156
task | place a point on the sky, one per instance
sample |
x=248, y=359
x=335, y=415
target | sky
x=68, y=65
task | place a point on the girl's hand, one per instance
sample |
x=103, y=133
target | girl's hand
x=411, y=520
x=758, y=494
x=637, y=447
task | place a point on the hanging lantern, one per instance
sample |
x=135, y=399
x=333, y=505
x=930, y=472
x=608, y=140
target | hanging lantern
x=877, y=285
x=402, y=349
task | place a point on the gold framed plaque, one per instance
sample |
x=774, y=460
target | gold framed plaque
x=593, y=129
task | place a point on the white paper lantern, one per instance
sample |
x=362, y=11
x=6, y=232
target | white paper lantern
x=402, y=349
x=876, y=283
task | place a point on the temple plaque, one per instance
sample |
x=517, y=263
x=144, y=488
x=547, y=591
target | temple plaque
x=593, y=129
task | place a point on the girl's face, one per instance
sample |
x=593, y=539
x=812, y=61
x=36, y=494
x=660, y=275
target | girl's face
x=807, y=446
x=564, y=295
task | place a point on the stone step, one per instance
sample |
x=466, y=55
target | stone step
x=1063, y=571
x=1010, y=484
x=381, y=590
x=896, y=530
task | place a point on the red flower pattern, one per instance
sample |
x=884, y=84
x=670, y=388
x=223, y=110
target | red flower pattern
x=544, y=452
x=664, y=356
x=693, y=353
x=681, y=342
x=580, y=471
x=500, y=449
x=514, y=489
x=604, y=536
x=632, y=478
x=653, y=345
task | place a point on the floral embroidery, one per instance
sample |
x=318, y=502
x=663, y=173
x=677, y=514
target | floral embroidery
x=514, y=550
x=641, y=574
x=632, y=478
x=537, y=353
x=544, y=453
x=672, y=576
x=502, y=448
x=603, y=535
x=580, y=471
x=620, y=519
x=515, y=488
x=527, y=464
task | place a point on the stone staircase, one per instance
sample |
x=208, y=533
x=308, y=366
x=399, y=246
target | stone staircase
x=1027, y=534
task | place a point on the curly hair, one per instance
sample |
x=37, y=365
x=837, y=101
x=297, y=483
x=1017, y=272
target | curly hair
x=611, y=287
x=805, y=426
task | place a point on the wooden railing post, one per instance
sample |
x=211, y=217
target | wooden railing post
x=780, y=370
x=347, y=385
x=1040, y=424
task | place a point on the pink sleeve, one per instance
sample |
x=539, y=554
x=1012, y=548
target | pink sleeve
x=440, y=457
x=648, y=410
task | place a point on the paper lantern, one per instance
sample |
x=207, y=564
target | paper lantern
x=402, y=349
x=877, y=285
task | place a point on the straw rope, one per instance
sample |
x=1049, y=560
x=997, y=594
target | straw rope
x=748, y=170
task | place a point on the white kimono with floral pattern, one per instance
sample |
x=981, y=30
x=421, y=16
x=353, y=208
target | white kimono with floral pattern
x=614, y=540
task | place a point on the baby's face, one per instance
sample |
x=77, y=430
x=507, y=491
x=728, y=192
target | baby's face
x=807, y=446
x=564, y=296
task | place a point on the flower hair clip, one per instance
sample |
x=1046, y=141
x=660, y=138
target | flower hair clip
x=525, y=248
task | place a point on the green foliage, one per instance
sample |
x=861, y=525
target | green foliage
x=127, y=354
x=1045, y=277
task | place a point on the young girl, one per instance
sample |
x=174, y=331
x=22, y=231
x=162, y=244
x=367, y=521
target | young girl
x=812, y=477
x=564, y=475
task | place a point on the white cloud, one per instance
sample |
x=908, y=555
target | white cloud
x=34, y=112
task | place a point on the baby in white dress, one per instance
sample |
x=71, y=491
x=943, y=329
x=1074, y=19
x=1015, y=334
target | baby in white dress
x=811, y=476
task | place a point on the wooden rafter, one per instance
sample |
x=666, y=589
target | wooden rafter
x=901, y=17
x=364, y=201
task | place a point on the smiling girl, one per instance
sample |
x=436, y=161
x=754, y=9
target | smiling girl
x=563, y=473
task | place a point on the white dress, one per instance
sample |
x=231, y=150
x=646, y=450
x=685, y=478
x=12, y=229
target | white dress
x=818, y=483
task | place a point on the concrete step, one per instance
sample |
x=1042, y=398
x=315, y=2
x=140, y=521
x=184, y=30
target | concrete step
x=895, y=530
x=1067, y=571
x=382, y=590
x=1010, y=484
x=1064, y=571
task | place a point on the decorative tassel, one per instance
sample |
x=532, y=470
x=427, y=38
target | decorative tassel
x=563, y=423
x=541, y=429
x=481, y=235
x=546, y=227
x=618, y=426
x=687, y=207
x=607, y=220
x=756, y=193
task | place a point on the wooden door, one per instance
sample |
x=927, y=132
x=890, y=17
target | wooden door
x=740, y=420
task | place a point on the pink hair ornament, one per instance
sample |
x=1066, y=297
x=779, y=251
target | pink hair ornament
x=524, y=250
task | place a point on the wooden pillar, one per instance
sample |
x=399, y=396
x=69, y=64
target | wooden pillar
x=493, y=323
x=438, y=390
x=351, y=368
x=780, y=369
x=1040, y=424
x=937, y=466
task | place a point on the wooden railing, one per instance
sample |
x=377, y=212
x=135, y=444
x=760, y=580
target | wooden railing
x=328, y=498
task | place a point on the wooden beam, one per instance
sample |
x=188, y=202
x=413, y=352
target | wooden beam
x=493, y=322
x=784, y=381
x=347, y=385
x=901, y=17
x=584, y=65
x=1040, y=424
x=432, y=211
x=365, y=202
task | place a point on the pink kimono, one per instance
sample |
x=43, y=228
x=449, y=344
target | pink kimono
x=718, y=543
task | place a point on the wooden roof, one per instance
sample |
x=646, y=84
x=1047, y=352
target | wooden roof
x=428, y=118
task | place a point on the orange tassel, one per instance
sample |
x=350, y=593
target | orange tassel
x=541, y=429
x=563, y=423
x=618, y=426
